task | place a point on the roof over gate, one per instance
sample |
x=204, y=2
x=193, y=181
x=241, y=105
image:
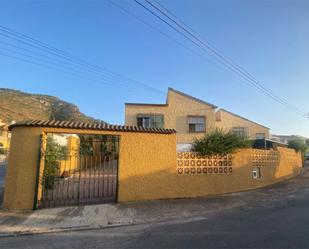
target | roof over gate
x=88, y=126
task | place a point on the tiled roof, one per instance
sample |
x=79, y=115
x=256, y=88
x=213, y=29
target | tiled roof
x=88, y=126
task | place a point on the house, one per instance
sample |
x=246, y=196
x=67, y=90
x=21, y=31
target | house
x=190, y=117
x=5, y=136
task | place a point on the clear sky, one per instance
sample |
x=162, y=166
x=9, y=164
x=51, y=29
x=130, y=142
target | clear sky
x=268, y=38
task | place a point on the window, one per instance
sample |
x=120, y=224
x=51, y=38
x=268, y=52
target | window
x=239, y=131
x=260, y=135
x=196, y=124
x=150, y=121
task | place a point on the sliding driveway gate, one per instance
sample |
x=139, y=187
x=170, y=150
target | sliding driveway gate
x=77, y=169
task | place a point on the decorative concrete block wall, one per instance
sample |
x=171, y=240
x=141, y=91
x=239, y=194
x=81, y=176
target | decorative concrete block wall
x=150, y=168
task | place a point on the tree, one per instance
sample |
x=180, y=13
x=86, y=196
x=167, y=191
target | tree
x=220, y=142
x=307, y=142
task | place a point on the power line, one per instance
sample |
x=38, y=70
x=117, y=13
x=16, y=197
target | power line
x=168, y=36
x=197, y=44
x=45, y=48
x=55, y=67
x=237, y=67
x=214, y=53
x=27, y=40
x=78, y=74
x=259, y=87
x=50, y=60
x=156, y=29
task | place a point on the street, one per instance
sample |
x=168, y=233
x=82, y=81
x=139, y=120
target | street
x=279, y=222
x=280, y=226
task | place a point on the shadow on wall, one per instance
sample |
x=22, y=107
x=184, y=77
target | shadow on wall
x=210, y=180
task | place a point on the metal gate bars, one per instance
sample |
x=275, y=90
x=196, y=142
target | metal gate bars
x=77, y=169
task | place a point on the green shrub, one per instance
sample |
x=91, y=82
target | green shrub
x=298, y=145
x=51, y=174
x=54, y=153
x=220, y=142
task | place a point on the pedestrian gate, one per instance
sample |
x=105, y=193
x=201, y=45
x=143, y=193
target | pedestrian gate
x=77, y=169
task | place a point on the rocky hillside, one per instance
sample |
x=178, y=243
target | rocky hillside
x=17, y=106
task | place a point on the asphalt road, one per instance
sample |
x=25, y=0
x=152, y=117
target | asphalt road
x=279, y=223
x=284, y=226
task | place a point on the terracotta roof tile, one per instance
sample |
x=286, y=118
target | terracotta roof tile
x=88, y=126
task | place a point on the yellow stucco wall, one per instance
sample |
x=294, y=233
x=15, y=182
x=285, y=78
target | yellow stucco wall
x=72, y=162
x=227, y=121
x=4, y=136
x=175, y=115
x=165, y=183
x=150, y=151
x=148, y=168
x=5, y=140
x=20, y=181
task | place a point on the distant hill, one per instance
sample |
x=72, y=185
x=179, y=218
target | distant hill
x=16, y=105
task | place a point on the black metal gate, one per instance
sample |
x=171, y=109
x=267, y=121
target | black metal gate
x=78, y=169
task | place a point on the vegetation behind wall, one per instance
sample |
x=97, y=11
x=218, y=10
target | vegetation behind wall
x=298, y=145
x=220, y=142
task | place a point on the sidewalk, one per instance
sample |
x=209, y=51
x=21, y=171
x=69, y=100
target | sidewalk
x=110, y=215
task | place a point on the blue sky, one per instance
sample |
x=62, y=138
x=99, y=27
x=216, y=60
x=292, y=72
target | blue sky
x=268, y=38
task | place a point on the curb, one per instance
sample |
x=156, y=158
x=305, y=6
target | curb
x=59, y=230
x=98, y=227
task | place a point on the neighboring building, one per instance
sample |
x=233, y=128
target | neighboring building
x=286, y=138
x=60, y=139
x=190, y=117
x=241, y=125
x=5, y=136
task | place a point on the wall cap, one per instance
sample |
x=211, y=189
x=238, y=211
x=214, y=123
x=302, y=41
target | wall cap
x=88, y=126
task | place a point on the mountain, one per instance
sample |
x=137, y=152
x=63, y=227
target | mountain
x=16, y=105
